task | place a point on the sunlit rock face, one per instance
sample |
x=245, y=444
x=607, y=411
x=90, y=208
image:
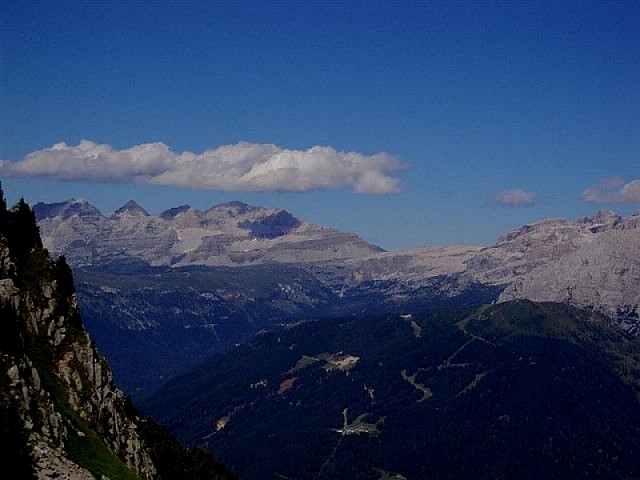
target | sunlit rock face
x=225, y=235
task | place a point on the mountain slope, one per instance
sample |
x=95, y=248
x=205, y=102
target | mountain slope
x=593, y=261
x=516, y=390
x=602, y=275
x=168, y=320
x=58, y=400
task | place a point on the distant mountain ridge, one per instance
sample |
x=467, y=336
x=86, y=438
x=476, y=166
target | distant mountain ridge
x=593, y=262
x=228, y=234
x=193, y=282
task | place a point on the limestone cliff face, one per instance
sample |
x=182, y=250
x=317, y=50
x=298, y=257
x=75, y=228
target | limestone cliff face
x=603, y=275
x=229, y=234
x=593, y=262
x=52, y=374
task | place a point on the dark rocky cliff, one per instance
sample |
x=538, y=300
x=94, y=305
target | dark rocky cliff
x=61, y=414
x=54, y=378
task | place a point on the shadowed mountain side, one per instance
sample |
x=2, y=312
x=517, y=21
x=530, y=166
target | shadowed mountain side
x=516, y=390
x=166, y=321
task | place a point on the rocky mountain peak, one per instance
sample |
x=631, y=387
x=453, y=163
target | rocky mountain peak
x=603, y=216
x=66, y=209
x=234, y=208
x=174, y=212
x=228, y=234
x=602, y=220
x=546, y=230
x=131, y=208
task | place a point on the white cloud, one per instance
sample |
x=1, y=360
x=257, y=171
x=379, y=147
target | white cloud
x=514, y=198
x=613, y=190
x=239, y=167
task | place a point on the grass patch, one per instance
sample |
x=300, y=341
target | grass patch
x=91, y=453
x=88, y=451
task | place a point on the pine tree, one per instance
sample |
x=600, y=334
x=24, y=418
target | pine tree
x=66, y=288
x=3, y=202
x=64, y=277
x=3, y=213
x=22, y=232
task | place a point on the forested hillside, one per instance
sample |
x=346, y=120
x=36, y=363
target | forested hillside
x=514, y=390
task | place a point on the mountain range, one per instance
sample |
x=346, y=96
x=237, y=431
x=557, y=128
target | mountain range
x=191, y=283
x=229, y=234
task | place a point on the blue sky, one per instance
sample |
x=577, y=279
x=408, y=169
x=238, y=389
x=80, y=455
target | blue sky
x=472, y=98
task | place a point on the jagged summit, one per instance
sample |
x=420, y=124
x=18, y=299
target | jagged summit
x=602, y=220
x=131, y=208
x=602, y=216
x=231, y=233
x=173, y=212
x=239, y=207
x=66, y=209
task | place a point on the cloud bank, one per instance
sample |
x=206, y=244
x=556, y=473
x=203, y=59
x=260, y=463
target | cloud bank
x=239, y=167
x=613, y=190
x=514, y=198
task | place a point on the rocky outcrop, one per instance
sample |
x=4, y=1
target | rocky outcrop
x=52, y=463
